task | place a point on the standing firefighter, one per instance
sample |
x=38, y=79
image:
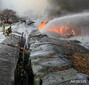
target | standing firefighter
x=3, y=27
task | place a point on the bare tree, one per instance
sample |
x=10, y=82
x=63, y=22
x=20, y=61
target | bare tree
x=8, y=14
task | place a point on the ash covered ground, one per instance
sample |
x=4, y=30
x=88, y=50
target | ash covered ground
x=55, y=61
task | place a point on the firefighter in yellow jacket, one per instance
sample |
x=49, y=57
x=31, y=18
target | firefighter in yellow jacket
x=3, y=27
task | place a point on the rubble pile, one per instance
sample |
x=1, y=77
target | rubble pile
x=51, y=61
x=8, y=59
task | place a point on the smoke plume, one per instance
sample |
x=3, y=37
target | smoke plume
x=60, y=7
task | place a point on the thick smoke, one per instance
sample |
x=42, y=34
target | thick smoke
x=4, y=4
x=60, y=7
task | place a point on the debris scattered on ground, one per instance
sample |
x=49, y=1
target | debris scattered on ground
x=81, y=62
x=51, y=56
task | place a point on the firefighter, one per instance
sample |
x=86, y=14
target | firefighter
x=30, y=73
x=29, y=62
x=88, y=78
x=8, y=31
x=22, y=77
x=26, y=57
x=3, y=27
x=27, y=65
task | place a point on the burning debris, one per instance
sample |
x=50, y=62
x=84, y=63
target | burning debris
x=62, y=30
x=43, y=25
x=67, y=26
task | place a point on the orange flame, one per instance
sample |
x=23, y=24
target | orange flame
x=73, y=32
x=43, y=25
x=63, y=30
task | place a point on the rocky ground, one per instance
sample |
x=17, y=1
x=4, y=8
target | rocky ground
x=58, y=62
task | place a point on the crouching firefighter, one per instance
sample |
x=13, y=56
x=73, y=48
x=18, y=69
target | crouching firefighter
x=8, y=31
